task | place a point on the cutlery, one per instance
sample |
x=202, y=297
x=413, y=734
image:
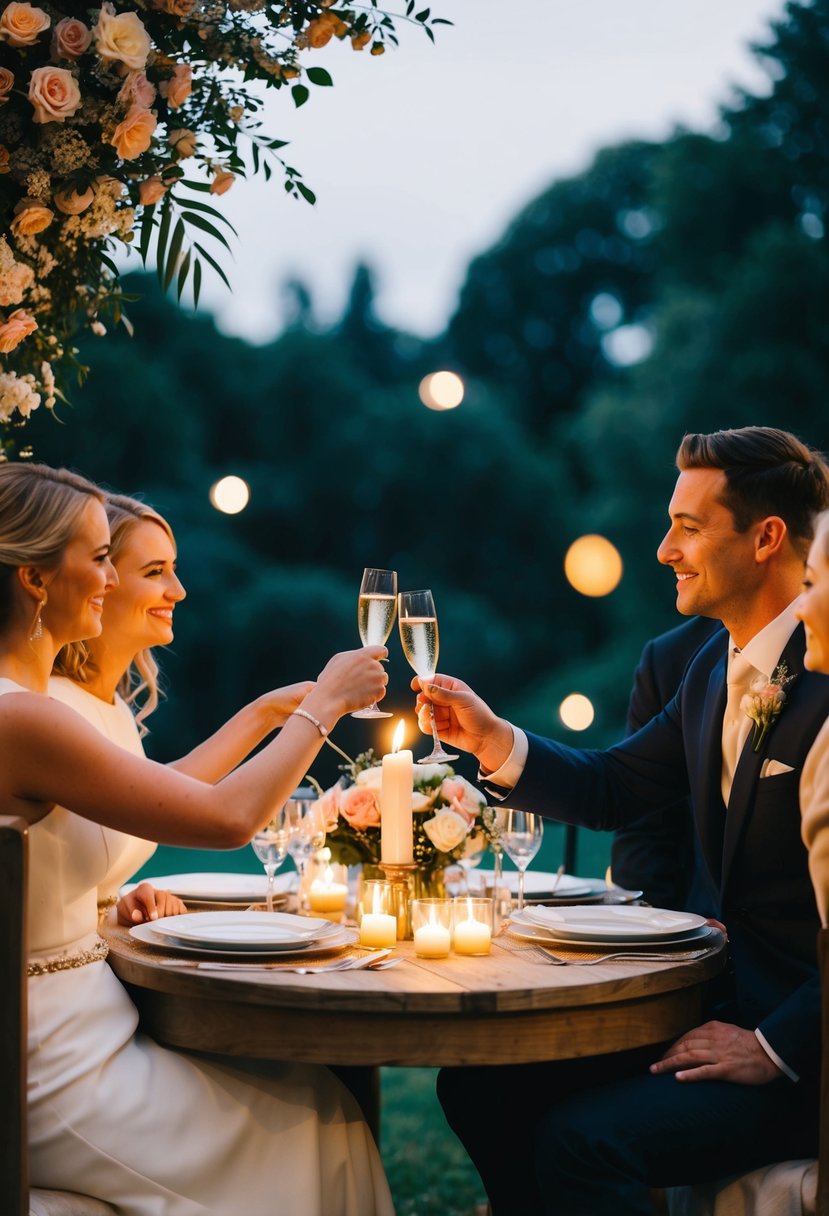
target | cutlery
x=556, y=880
x=343, y=964
x=683, y=956
x=385, y=964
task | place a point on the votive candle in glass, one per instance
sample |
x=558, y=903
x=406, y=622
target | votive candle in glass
x=378, y=924
x=471, y=925
x=432, y=927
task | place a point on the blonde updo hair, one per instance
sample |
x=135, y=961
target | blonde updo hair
x=75, y=661
x=822, y=532
x=40, y=511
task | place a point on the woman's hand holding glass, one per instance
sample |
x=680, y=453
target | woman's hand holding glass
x=349, y=680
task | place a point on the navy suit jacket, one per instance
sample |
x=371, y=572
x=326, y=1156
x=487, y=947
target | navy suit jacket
x=755, y=864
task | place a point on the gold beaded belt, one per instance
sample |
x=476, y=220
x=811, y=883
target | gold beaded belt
x=95, y=954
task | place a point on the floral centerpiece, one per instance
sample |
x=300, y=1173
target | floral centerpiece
x=120, y=120
x=447, y=816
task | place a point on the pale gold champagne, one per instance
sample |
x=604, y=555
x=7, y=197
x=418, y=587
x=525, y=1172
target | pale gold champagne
x=375, y=617
x=419, y=637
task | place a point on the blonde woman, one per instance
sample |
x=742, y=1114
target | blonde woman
x=113, y=1114
x=813, y=611
x=112, y=679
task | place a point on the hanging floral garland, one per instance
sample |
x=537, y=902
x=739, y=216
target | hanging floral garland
x=117, y=124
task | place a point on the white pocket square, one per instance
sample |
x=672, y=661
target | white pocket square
x=773, y=768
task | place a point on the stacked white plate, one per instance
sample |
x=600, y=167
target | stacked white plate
x=218, y=887
x=269, y=934
x=608, y=925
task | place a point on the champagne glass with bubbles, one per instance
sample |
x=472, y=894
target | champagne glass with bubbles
x=271, y=847
x=376, y=608
x=521, y=839
x=419, y=636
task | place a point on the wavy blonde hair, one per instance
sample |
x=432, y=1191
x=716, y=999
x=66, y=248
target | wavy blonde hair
x=142, y=676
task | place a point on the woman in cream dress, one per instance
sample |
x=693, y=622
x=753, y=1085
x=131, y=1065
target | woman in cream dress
x=111, y=1114
x=813, y=611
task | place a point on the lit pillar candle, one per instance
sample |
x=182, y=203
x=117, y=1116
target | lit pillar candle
x=396, y=836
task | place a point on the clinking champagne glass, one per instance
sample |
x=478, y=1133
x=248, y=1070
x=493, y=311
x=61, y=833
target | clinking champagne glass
x=271, y=847
x=419, y=636
x=376, y=608
x=521, y=838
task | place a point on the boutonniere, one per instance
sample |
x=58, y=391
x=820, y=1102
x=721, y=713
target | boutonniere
x=764, y=702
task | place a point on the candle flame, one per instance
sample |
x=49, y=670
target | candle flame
x=397, y=741
x=608, y=878
x=328, y=877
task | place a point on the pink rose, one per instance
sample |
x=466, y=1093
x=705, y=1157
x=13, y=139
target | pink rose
x=72, y=201
x=137, y=90
x=151, y=191
x=329, y=806
x=6, y=84
x=22, y=24
x=19, y=325
x=134, y=133
x=54, y=94
x=179, y=87
x=360, y=807
x=462, y=797
x=30, y=217
x=70, y=39
x=223, y=179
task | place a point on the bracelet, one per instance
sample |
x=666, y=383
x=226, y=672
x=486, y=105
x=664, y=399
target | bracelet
x=303, y=713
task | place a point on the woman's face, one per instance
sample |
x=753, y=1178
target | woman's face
x=140, y=609
x=76, y=590
x=813, y=607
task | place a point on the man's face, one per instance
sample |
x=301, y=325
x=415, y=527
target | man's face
x=715, y=565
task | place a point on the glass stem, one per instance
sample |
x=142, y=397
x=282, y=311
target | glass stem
x=271, y=873
x=434, y=727
x=521, y=890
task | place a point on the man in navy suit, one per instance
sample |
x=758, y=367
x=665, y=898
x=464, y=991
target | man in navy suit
x=657, y=854
x=591, y=1138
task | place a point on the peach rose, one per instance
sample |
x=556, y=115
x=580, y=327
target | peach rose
x=70, y=39
x=462, y=797
x=447, y=830
x=54, y=94
x=134, y=133
x=72, y=202
x=19, y=325
x=137, y=90
x=182, y=141
x=22, y=24
x=223, y=179
x=6, y=84
x=329, y=806
x=358, y=41
x=121, y=38
x=151, y=191
x=179, y=87
x=30, y=217
x=360, y=807
x=176, y=8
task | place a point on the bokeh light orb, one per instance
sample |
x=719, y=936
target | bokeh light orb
x=230, y=495
x=441, y=390
x=576, y=711
x=593, y=565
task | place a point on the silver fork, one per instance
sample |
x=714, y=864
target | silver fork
x=685, y=956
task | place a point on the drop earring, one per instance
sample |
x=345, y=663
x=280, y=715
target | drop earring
x=37, y=626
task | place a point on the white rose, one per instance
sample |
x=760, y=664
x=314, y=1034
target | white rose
x=371, y=778
x=427, y=772
x=121, y=37
x=446, y=831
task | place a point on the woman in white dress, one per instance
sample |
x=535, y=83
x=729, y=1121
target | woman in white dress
x=813, y=611
x=112, y=679
x=112, y=1114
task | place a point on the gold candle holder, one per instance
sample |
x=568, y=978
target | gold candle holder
x=401, y=877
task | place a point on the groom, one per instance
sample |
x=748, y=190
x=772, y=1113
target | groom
x=740, y=1090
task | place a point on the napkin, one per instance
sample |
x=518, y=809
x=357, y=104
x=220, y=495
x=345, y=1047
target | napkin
x=637, y=919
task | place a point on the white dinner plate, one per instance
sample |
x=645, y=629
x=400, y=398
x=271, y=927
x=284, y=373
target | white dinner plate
x=608, y=922
x=330, y=944
x=223, y=888
x=539, y=885
x=532, y=933
x=243, y=930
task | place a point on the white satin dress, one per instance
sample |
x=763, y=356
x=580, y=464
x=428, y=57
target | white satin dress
x=155, y=1132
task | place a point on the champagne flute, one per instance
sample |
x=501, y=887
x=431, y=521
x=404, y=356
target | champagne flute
x=305, y=821
x=376, y=608
x=419, y=636
x=521, y=838
x=270, y=845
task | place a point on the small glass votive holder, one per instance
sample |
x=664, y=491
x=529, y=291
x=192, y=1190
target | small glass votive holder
x=328, y=888
x=378, y=923
x=471, y=924
x=432, y=927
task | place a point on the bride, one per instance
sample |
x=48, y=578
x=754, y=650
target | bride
x=112, y=1114
x=112, y=679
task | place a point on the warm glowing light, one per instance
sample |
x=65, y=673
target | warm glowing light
x=441, y=391
x=397, y=739
x=230, y=495
x=593, y=565
x=576, y=711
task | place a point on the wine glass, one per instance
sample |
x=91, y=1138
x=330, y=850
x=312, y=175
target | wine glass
x=521, y=838
x=376, y=608
x=493, y=818
x=419, y=636
x=270, y=845
x=305, y=821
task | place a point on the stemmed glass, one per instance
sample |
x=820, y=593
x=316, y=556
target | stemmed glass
x=521, y=838
x=419, y=636
x=493, y=818
x=376, y=608
x=305, y=821
x=270, y=845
